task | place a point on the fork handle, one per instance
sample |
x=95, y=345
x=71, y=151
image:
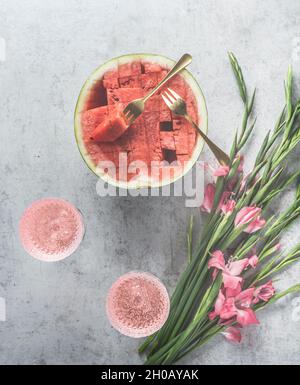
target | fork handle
x=219, y=154
x=181, y=64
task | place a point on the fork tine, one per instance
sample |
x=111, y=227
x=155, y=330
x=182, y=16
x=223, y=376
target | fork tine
x=130, y=118
x=170, y=97
x=168, y=103
x=174, y=93
x=126, y=109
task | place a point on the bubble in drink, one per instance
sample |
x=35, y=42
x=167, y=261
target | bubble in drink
x=137, y=304
x=51, y=229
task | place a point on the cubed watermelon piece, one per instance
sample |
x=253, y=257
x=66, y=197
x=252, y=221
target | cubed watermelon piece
x=181, y=141
x=167, y=140
x=123, y=95
x=111, y=73
x=148, y=80
x=130, y=82
x=151, y=67
x=178, y=124
x=164, y=112
x=124, y=69
x=113, y=126
x=111, y=83
x=136, y=68
x=161, y=75
x=178, y=83
x=152, y=131
x=192, y=140
x=193, y=111
x=138, y=141
x=153, y=103
x=91, y=118
x=165, y=116
x=100, y=152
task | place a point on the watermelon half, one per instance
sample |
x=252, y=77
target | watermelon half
x=136, y=75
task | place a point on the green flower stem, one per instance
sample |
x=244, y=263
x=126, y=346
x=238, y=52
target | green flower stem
x=188, y=325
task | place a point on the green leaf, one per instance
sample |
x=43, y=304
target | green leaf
x=239, y=77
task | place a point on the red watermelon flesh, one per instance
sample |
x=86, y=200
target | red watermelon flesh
x=156, y=135
x=112, y=127
x=92, y=118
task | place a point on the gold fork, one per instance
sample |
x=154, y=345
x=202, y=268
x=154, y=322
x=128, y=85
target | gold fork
x=178, y=106
x=134, y=109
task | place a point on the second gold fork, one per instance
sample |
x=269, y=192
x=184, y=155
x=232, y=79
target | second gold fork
x=178, y=106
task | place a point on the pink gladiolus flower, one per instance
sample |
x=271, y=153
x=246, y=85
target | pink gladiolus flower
x=209, y=195
x=250, y=215
x=239, y=307
x=221, y=171
x=246, y=215
x=217, y=260
x=218, y=306
x=228, y=207
x=231, y=281
x=233, y=292
x=208, y=200
x=233, y=334
x=253, y=261
x=230, y=271
x=257, y=224
x=264, y=292
x=236, y=267
x=228, y=310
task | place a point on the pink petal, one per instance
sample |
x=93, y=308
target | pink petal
x=208, y=200
x=228, y=207
x=246, y=215
x=217, y=260
x=212, y=315
x=257, y=224
x=246, y=317
x=214, y=274
x=233, y=334
x=235, y=268
x=228, y=321
x=233, y=292
x=221, y=171
x=225, y=196
x=244, y=298
x=264, y=292
x=228, y=310
x=219, y=302
x=253, y=261
x=230, y=281
x=218, y=306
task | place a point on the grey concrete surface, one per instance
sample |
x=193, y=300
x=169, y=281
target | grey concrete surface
x=55, y=312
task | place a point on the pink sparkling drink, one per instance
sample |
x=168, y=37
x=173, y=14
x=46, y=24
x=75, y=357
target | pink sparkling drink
x=137, y=304
x=51, y=229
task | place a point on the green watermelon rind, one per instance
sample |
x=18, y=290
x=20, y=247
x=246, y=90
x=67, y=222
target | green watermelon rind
x=98, y=73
